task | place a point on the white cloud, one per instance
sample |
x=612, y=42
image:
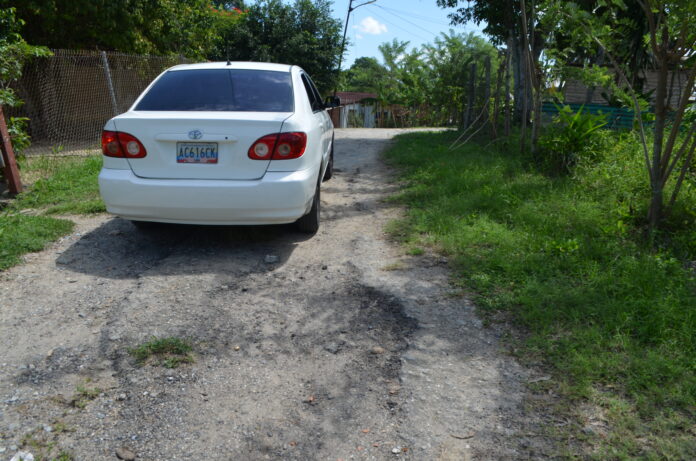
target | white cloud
x=358, y=36
x=371, y=26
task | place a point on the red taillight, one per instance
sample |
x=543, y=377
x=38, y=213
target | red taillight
x=119, y=144
x=279, y=146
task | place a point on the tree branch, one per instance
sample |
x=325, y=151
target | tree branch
x=682, y=175
x=680, y=153
x=636, y=106
x=683, y=103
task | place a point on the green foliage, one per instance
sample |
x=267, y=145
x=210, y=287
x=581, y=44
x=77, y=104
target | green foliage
x=365, y=75
x=303, y=33
x=429, y=81
x=186, y=27
x=14, y=51
x=614, y=318
x=20, y=234
x=172, y=351
x=66, y=185
x=572, y=135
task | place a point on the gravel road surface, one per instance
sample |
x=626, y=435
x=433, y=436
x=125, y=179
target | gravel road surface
x=330, y=347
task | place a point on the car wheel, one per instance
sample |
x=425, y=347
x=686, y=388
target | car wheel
x=310, y=222
x=329, y=168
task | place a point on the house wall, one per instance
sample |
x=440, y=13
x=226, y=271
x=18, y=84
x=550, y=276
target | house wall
x=576, y=92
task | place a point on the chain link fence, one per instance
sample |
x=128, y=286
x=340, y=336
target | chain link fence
x=68, y=97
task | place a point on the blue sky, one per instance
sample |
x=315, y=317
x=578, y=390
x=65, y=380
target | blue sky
x=416, y=21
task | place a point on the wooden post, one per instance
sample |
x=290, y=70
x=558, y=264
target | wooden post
x=487, y=91
x=496, y=99
x=508, y=58
x=469, y=113
x=10, y=164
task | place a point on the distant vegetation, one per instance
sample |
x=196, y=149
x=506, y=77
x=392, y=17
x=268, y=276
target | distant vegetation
x=303, y=32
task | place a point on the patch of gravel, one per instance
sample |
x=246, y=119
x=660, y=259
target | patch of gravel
x=305, y=347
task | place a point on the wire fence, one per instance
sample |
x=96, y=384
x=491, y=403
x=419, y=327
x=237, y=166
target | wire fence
x=68, y=97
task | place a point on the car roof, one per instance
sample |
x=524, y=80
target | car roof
x=235, y=65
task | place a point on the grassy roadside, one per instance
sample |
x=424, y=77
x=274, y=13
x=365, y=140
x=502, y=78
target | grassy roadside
x=614, y=319
x=56, y=186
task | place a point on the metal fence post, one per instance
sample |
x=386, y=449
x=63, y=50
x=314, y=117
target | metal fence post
x=109, y=82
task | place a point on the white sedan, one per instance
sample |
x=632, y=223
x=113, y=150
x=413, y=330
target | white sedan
x=220, y=143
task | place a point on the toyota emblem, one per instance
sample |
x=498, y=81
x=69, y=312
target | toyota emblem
x=195, y=134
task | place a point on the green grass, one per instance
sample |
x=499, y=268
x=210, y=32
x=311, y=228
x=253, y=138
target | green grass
x=63, y=185
x=57, y=185
x=613, y=318
x=171, y=351
x=20, y=234
x=84, y=395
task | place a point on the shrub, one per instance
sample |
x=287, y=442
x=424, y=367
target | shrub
x=572, y=136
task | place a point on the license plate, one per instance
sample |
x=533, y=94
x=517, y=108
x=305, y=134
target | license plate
x=196, y=152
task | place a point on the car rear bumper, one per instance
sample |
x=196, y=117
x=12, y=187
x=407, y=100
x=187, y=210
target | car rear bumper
x=277, y=198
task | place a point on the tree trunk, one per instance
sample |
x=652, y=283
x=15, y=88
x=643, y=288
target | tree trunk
x=487, y=90
x=656, y=182
x=518, y=78
x=496, y=100
x=508, y=57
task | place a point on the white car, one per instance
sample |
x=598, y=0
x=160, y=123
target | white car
x=222, y=144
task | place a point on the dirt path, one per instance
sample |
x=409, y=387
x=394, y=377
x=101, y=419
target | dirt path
x=342, y=349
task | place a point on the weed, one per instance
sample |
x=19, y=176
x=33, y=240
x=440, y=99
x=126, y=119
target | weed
x=44, y=446
x=84, y=395
x=171, y=351
x=395, y=266
x=20, y=234
x=564, y=257
x=62, y=185
x=415, y=251
x=57, y=185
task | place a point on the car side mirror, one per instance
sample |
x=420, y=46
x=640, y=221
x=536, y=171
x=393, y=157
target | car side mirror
x=331, y=102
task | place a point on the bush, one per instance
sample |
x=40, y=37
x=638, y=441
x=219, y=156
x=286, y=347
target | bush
x=572, y=136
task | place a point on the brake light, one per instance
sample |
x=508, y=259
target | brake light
x=279, y=146
x=122, y=145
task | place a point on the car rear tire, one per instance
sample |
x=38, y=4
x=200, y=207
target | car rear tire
x=309, y=223
x=328, y=174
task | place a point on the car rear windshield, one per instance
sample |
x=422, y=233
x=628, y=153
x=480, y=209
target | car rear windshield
x=220, y=90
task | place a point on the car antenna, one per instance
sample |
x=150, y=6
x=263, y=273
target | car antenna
x=228, y=55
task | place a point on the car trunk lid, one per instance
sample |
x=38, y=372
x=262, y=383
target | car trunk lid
x=164, y=134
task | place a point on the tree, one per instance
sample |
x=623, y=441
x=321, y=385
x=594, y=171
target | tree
x=505, y=25
x=449, y=58
x=671, y=41
x=364, y=75
x=186, y=27
x=429, y=82
x=14, y=51
x=303, y=33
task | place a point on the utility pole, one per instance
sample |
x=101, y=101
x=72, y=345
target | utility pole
x=345, y=30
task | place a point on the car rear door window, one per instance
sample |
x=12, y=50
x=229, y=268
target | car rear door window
x=220, y=90
x=312, y=94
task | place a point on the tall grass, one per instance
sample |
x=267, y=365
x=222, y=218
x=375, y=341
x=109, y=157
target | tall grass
x=612, y=316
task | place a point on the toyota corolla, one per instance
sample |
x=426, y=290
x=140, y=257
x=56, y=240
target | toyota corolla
x=221, y=144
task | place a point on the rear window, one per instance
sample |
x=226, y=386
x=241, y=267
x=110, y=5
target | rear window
x=220, y=90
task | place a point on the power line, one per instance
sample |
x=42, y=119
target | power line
x=406, y=20
x=398, y=26
x=419, y=17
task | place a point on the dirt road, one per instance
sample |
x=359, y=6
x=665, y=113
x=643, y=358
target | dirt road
x=335, y=346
